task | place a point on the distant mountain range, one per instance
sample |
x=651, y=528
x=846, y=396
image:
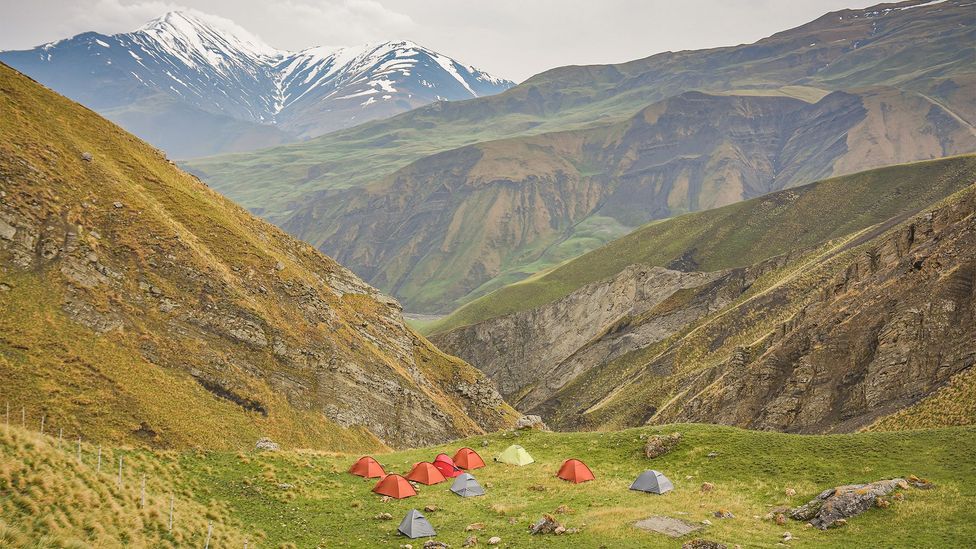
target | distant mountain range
x=194, y=88
x=448, y=202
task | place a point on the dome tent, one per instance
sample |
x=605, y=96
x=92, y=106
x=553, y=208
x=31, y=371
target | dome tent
x=425, y=473
x=446, y=466
x=415, y=525
x=653, y=482
x=367, y=467
x=394, y=486
x=466, y=486
x=514, y=455
x=575, y=471
x=466, y=458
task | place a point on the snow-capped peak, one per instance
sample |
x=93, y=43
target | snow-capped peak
x=203, y=32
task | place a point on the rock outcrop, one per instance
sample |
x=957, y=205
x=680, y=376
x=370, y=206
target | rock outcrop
x=252, y=331
x=843, y=502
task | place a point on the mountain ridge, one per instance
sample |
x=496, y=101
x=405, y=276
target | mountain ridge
x=283, y=96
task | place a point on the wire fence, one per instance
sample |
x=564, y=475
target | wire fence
x=122, y=475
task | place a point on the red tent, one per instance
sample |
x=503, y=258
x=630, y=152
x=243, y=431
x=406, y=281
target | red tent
x=367, y=467
x=394, y=486
x=425, y=473
x=446, y=466
x=466, y=458
x=575, y=471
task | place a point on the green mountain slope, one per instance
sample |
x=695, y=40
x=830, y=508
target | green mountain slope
x=913, y=49
x=139, y=306
x=543, y=199
x=739, y=234
x=321, y=504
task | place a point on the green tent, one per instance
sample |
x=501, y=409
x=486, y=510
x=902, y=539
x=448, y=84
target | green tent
x=514, y=455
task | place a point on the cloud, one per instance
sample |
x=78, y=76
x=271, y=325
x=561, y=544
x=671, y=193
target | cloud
x=298, y=24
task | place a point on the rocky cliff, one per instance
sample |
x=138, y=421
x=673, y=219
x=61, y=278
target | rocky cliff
x=139, y=305
x=788, y=343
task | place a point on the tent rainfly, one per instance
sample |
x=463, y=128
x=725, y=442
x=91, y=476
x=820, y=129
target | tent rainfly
x=367, y=467
x=425, y=473
x=394, y=486
x=653, y=482
x=415, y=525
x=466, y=458
x=446, y=466
x=466, y=486
x=575, y=471
x=514, y=455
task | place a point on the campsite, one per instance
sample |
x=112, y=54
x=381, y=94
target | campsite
x=751, y=473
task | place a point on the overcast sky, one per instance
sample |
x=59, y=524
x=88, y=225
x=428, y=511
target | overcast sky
x=509, y=38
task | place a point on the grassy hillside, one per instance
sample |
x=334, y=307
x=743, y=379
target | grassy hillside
x=306, y=499
x=913, y=49
x=739, y=234
x=139, y=306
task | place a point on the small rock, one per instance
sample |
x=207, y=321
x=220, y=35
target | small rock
x=386, y=499
x=470, y=542
x=279, y=266
x=430, y=508
x=512, y=520
x=724, y=514
x=559, y=530
x=285, y=486
x=484, y=444
x=707, y=522
x=699, y=543
x=840, y=522
x=882, y=503
x=118, y=204
x=787, y=536
x=546, y=525
x=537, y=488
x=780, y=519
x=563, y=509
x=406, y=546
x=383, y=516
x=267, y=444
x=87, y=156
x=712, y=455
x=790, y=492
x=659, y=445
x=898, y=497
x=475, y=527
x=707, y=487
x=494, y=540
x=432, y=544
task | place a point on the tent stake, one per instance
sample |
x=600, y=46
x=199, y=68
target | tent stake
x=209, y=531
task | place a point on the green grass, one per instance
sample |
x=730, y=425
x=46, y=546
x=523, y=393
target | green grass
x=326, y=507
x=739, y=234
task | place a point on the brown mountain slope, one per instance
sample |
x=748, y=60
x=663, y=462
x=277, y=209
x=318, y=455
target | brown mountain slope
x=456, y=225
x=137, y=305
x=616, y=350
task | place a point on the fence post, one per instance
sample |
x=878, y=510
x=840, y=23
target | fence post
x=209, y=531
x=42, y=423
x=120, y=471
x=8, y=413
x=98, y=466
x=23, y=417
x=60, y=435
x=143, y=491
x=171, y=513
x=79, y=449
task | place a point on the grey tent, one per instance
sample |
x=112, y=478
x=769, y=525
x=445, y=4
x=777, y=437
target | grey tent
x=653, y=482
x=466, y=486
x=415, y=525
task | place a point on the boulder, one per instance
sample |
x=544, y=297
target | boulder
x=834, y=506
x=531, y=422
x=87, y=156
x=267, y=444
x=494, y=540
x=658, y=445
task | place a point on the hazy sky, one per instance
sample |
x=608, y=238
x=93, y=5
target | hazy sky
x=509, y=38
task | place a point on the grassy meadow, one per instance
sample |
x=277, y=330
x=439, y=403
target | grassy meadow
x=304, y=498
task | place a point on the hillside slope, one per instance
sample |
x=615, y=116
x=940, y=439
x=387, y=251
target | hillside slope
x=540, y=200
x=307, y=499
x=139, y=306
x=891, y=45
x=148, y=80
x=702, y=295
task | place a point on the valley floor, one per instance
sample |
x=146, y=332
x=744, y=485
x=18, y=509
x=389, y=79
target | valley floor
x=306, y=498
